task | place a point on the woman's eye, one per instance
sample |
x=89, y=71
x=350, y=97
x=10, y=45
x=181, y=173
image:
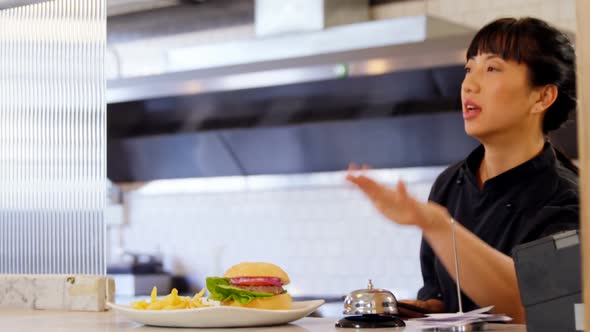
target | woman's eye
x=467, y=70
x=490, y=68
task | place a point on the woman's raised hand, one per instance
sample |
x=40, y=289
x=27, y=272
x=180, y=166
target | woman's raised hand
x=396, y=203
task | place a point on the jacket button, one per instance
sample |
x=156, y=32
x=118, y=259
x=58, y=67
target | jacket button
x=509, y=205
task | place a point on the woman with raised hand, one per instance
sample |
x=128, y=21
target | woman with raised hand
x=514, y=188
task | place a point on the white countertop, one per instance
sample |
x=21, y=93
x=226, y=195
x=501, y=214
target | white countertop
x=19, y=320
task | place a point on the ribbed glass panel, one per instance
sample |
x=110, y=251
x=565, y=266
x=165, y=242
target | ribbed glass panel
x=52, y=137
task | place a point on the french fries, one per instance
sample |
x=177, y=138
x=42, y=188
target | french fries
x=171, y=301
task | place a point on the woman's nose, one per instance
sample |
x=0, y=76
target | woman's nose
x=470, y=84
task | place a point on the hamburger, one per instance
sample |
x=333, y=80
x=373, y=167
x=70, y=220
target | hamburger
x=251, y=285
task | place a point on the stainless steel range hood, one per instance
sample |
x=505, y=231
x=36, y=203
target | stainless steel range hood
x=122, y=7
x=161, y=124
x=361, y=49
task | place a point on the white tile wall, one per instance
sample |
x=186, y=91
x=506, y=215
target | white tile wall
x=329, y=239
x=475, y=13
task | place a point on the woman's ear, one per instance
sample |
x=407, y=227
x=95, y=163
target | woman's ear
x=546, y=98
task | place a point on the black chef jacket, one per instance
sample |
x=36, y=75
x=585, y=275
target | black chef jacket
x=532, y=200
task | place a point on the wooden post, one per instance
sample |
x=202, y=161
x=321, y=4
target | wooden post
x=583, y=80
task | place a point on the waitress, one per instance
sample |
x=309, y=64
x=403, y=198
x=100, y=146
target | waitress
x=514, y=188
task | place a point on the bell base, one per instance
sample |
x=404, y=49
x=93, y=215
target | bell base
x=370, y=322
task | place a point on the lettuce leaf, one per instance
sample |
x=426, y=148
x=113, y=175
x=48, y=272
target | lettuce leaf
x=221, y=290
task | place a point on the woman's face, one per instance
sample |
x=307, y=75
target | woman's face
x=497, y=98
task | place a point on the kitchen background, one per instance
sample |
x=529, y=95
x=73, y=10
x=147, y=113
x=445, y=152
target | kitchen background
x=203, y=179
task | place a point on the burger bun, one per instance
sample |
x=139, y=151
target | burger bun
x=276, y=302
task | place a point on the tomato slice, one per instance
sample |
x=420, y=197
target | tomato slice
x=256, y=281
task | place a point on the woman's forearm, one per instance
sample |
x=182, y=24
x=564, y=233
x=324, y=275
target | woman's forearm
x=487, y=275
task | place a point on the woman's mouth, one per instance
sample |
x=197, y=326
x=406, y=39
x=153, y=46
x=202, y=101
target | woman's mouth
x=470, y=110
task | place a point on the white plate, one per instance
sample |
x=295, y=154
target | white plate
x=219, y=316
